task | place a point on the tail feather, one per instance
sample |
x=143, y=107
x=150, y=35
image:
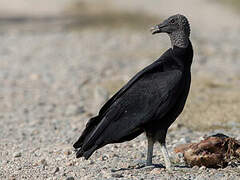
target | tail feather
x=94, y=135
x=91, y=139
x=88, y=153
x=79, y=153
x=90, y=144
x=92, y=123
x=85, y=145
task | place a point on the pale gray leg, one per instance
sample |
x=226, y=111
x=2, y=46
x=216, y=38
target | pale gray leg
x=165, y=156
x=150, y=152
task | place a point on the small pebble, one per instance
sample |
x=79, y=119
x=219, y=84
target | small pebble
x=117, y=175
x=195, y=167
x=17, y=154
x=104, y=158
x=67, y=152
x=43, y=162
x=56, y=170
x=202, y=168
x=90, y=162
x=156, y=171
x=70, y=178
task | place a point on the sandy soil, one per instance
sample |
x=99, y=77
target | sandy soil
x=59, y=62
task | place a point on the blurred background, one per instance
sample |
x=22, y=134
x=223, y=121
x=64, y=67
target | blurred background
x=60, y=60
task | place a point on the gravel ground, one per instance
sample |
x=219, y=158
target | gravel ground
x=55, y=75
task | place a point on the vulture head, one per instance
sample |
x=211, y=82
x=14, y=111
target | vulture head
x=177, y=27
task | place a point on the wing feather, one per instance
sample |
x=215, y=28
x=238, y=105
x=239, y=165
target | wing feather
x=152, y=93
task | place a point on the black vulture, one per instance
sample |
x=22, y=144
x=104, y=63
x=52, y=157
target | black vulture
x=150, y=102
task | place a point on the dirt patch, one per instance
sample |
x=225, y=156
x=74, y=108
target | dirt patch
x=211, y=105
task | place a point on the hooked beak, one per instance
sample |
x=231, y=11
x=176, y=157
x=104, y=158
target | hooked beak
x=158, y=28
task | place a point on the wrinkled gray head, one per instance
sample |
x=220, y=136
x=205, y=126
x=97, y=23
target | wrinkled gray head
x=178, y=29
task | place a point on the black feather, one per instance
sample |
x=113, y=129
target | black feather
x=149, y=102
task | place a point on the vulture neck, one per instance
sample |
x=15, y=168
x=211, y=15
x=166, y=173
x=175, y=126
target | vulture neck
x=179, y=39
x=183, y=56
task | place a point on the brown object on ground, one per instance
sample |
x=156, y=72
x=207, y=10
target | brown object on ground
x=214, y=151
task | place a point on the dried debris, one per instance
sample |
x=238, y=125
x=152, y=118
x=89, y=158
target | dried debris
x=215, y=151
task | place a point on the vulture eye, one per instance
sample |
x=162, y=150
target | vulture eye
x=172, y=21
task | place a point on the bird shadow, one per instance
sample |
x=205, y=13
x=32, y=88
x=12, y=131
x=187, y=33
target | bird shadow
x=138, y=166
x=181, y=166
x=144, y=167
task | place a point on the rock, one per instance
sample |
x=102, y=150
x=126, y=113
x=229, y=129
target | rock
x=202, y=168
x=104, y=158
x=17, y=154
x=70, y=178
x=183, y=140
x=35, y=164
x=56, y=170
x=67, y=152
x=195, y=167
x=148, y=167
x=91, y=161
x=156, y=171
x=117, y=175
x=44, y=162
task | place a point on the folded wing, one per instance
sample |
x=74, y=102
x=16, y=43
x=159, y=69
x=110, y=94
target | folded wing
x=150, y=93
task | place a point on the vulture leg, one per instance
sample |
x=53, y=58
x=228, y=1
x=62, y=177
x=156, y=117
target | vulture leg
x=150, y=152
x=165, y=156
